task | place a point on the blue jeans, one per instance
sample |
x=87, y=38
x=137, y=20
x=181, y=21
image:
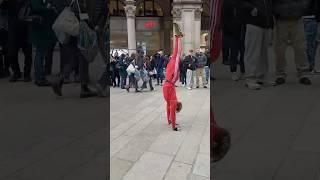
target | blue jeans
x=207, y=73
x=160, y=75
x=311, y=26
x=39, y=64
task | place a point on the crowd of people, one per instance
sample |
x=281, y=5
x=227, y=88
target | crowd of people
x=27, y=25
x=192, y=67
x=249, y=27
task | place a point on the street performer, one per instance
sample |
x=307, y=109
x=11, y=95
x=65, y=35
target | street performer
x=220, y=138
x=172, y=75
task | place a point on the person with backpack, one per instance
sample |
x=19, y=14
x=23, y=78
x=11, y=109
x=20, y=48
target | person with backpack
x=18, y=33
x=97, y=17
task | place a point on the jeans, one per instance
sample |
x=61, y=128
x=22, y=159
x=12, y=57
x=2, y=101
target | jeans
x=123, y=81
x=103, y=81
x=39, y=67
x=190, y=78
x=311, y=29
x=160, y=75
x=207, y=73
x=183, y=77
x=76, y=58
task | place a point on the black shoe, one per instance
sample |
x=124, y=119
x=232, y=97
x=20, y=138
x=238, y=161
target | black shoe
x=305, y=81
x=15, y=77
x=128, y=89
x=197, y=87
x=27, y=79
x=87, y=93
x=280, y=81
x=42, y=83
x=205, y=87
x=152, y=89
x=137, y=90
x=176, y=129
x=57, y=86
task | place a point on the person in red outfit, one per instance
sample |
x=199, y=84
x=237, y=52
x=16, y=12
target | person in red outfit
x=220, y=139
x=172, y=75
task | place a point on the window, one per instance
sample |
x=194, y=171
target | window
x=116, y=8
x=149, y=8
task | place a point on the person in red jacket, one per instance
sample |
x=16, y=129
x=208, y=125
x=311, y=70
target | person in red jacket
x=220, y=139
x=172, y=75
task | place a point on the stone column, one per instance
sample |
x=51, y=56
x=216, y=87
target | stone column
x=190, y=22
x=130, y=9
x=197, y=28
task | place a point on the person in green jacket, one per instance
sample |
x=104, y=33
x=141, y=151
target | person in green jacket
x=42, y=36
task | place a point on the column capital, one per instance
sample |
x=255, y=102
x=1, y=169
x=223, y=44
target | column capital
x=130, y=8
x=176, y=13
x=197, y=14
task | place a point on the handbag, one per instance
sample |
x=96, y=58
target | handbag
x=66, y=24
x=131, y=69
x=88, y=42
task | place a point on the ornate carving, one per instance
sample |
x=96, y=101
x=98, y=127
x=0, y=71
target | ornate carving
x=197, y=14
x=130, y=9
x=176, y=13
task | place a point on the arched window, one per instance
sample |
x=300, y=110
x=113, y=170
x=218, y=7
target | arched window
x=116, y=8
x=149, y=8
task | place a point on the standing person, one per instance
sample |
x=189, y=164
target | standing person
x=18, y=38
x=190, y=61
x=123, y=71
x=201, y=61
x=233, y=38
x=4, y=61
x=311, y=30
x=97, y=17
x=169, y=90
x=42, y=37
x=160, y=65
x=183, y=71
x=132, y=80
x=149, y=67
x=289, y=26
x=258, y=17
x=207, y=67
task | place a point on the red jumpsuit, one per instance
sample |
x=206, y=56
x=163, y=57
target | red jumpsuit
x=169, y=90
x=216, y=41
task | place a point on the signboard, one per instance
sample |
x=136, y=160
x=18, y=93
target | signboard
x=148, y=24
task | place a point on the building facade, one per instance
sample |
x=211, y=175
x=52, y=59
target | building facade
x=148, y=24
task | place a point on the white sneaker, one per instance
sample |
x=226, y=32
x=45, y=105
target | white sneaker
x=189, y=88
x=235, y=77
x=315, y=71
x=253, y=86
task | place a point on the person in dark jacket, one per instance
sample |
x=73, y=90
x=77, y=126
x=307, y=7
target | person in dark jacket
x=289, y=27
x=123, y=70
x=233, y=31
x=258, y=17
x=4, y=61
x=18, y=38
x=190, y=61
x=201, y=61
x=183, y=71
x=42, y=37
x=311, y=30
x=132, y=80
x=160, y=65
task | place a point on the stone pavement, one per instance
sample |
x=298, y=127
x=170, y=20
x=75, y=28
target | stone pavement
x=143, y=145
x=43, y=137
x=274, y=131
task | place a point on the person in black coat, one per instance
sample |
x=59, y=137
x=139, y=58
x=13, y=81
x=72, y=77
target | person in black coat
x=233, y=38
x=18, y=39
